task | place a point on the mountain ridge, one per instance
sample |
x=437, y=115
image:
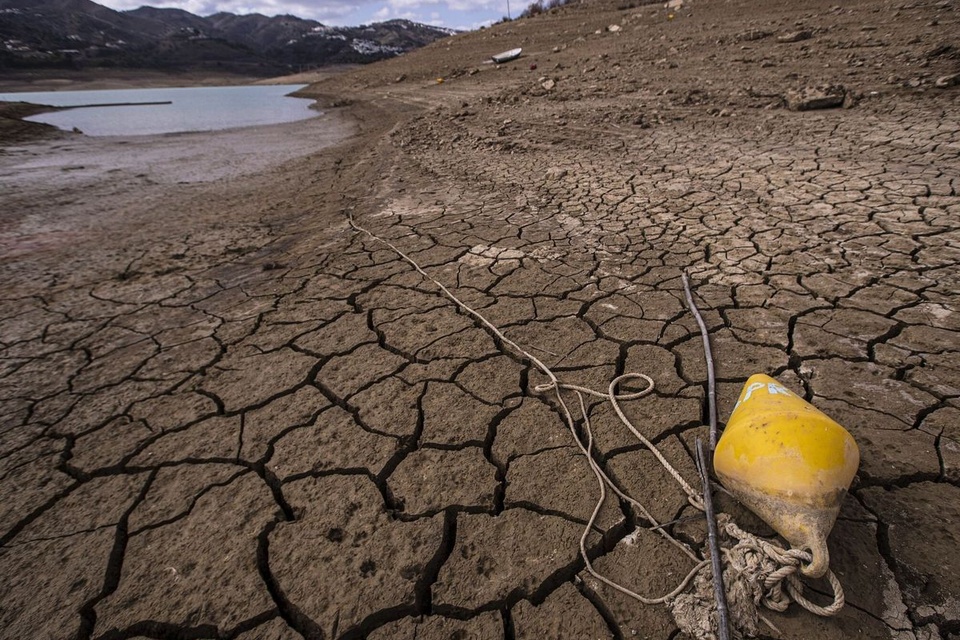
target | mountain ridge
x=81, y=34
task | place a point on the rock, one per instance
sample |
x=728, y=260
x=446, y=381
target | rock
x=555, y=173
x=751, y=35
x=613, y=28
x=795, y=36
x=401, y=77
x=548, y=84
x=951, y=80
x=818, y=97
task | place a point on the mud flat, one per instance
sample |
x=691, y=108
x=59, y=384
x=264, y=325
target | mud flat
x=227, y=414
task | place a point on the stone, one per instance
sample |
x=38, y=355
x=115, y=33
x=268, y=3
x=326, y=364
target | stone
x=795, y=36
x=816, y=97
x=950, y=80
x=555, y=173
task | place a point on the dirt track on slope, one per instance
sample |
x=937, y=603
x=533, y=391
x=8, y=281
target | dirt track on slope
x=226, y=414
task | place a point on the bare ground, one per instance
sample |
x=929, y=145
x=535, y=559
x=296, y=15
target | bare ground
x=227, y=415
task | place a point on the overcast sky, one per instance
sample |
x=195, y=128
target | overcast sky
x=458, y=14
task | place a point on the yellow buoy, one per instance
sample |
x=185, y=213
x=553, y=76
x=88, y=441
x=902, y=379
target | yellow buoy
x=789, y=463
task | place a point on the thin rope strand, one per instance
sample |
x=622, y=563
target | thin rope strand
x=780, y=584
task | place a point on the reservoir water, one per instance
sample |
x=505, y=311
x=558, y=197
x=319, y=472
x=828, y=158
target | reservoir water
x=190, y=109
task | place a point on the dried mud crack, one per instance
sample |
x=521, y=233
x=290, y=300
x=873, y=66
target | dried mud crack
x=226, y=414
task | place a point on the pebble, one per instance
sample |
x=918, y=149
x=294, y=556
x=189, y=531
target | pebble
x=819, y=97
x=951, y=80
x=795, y=36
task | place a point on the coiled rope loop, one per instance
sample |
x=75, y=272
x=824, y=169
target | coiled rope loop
x=767, y=571
x=771, y=572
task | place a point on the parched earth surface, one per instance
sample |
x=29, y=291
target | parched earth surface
x=227, y=414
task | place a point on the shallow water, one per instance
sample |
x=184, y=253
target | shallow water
x=191, y=109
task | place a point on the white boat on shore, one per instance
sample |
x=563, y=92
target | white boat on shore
x=507, y=56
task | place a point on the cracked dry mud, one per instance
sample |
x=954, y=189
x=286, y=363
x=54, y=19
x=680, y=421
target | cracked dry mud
x=225, y=414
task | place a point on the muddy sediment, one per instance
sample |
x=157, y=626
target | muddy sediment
x=225, y=413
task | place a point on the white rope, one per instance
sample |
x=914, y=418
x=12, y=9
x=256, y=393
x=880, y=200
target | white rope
x=765, y=569
x=556, y=386
x=774, y=570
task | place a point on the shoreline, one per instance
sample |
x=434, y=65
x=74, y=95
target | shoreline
x=15, y=130
x=146, y=79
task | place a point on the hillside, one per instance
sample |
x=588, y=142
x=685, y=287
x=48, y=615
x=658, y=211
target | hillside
x=80, y=34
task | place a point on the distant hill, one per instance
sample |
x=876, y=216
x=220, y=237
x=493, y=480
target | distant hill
x=83, y=34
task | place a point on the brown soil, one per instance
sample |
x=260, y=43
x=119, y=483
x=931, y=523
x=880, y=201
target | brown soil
x=14, y=129
x=225, y=414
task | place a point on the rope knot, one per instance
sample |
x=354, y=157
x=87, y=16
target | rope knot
x=770, y=572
